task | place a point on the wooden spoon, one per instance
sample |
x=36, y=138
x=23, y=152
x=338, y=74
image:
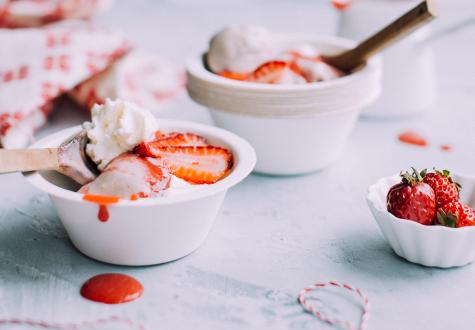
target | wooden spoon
x=351, y=59
x=69, y=159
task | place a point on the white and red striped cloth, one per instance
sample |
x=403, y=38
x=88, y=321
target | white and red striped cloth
x=138, y=77
x=37, y=65
x=76, y=57
x=31, y=13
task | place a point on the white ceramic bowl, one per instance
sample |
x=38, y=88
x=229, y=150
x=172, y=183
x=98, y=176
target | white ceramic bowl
x=146, y=231
x=294, y=128
x=432, y=246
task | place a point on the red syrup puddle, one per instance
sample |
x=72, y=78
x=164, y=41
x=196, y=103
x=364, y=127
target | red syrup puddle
x=341, y=4
x=445, y=147
x=112, y=288
x=103, y=201
x=413, y=138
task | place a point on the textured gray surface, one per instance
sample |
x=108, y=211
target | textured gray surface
x=273, y=235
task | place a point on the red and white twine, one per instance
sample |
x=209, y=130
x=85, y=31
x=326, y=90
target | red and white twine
x=71, y=326
x=334, y=321
x=345, y=324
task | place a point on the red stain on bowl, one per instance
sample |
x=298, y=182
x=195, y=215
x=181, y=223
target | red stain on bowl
x=102, y=201
x=413, y=138
x=112, y=288
x=139, y=195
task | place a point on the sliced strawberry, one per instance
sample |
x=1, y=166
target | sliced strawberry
x=276, y=72
x=198, y=164
x=179, y=139
x=169, y=140
x=269, y=72
x=293, y=65
x=233, y=75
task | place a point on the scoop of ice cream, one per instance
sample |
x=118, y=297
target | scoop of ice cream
x=316, y=70
x=129, y=175
x=240, y=49
x=117, y=126
x=179, y=186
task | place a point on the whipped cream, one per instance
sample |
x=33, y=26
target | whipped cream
x=241, y=48
x=117, y=127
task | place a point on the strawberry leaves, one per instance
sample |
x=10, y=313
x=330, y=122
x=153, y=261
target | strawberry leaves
x=447, y=219
x=412, y=178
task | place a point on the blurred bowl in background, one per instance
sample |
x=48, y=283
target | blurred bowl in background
x=409, y=80
x=294, y=129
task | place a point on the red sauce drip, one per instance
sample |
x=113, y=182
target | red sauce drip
x=445, y=147
x=112, y=288
x=413, y=138
x=103, y=214
x=103, y=201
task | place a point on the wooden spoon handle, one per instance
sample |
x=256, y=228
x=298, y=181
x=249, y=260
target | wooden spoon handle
x=28, y=160
x=401, y=27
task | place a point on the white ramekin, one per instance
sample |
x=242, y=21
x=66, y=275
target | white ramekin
x=432, y=246
x=294, y=128
x=145, y=231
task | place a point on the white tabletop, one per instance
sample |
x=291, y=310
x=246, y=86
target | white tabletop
x=274, y=235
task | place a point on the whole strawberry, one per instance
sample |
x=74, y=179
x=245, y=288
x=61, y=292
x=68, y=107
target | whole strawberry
x=445, y=188
x=456, y=214
x=412, y=199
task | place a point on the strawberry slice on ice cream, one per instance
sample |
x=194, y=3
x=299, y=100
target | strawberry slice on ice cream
x=276, y=72
x=195, y=164
x=176, y=139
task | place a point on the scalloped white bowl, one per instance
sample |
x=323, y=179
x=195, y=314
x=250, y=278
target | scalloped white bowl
x=145, y=231
x=432, y=246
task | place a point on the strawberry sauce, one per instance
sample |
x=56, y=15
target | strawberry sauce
x=103, y=202
x=341, y=4
x=103, y=214
x=139, y=195
x=413, y=138
x=112, y=288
